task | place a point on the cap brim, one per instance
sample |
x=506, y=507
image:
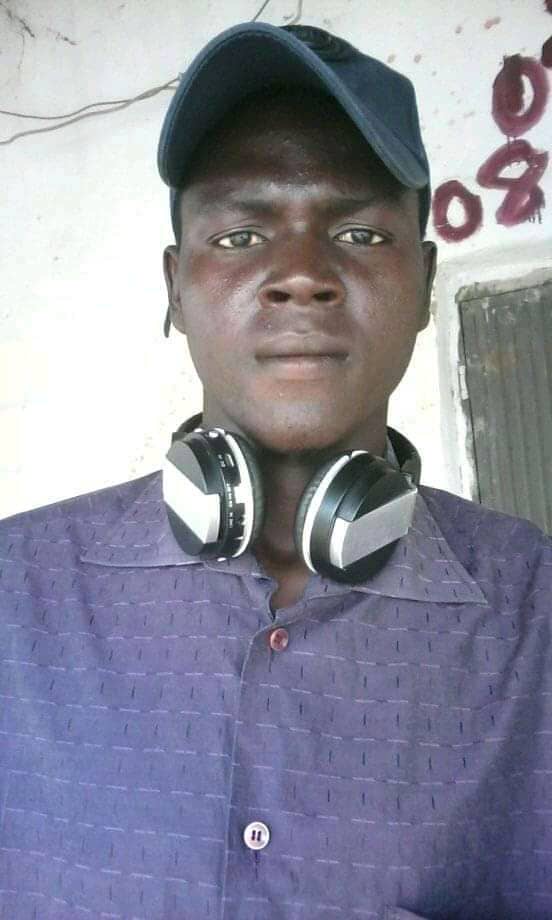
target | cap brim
x=247, y=58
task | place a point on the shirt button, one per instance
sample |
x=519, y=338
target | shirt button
x=256, y=835
x=278, y=639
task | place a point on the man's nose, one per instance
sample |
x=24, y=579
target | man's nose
x=304, y=279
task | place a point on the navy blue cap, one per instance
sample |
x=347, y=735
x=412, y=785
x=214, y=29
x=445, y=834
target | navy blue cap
x=247, y=57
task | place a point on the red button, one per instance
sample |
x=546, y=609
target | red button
x=278, y=639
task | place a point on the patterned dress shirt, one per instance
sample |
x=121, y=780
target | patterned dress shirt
x=171, y=748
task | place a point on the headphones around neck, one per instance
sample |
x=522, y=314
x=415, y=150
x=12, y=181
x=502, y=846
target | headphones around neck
x=348, y=520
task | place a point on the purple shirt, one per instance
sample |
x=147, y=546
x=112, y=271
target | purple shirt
x=398, y=748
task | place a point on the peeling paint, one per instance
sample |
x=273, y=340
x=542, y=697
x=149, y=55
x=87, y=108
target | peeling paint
x=492, y=22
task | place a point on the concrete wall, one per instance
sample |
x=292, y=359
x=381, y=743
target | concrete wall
x=89, y=389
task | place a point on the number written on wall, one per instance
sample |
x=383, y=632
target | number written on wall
x=523, y=199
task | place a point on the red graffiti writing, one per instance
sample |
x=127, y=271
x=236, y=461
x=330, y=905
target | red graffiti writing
x=514, y=115
x=524, y=198
x=473, y=211
x=546, y=53
x=509, y=110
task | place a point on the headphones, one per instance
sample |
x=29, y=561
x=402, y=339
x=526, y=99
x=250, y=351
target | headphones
x=348, y=520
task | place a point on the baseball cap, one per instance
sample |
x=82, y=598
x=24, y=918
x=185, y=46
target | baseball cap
x=253, y=55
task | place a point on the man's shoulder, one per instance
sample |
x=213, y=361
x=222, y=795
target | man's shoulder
x=491, y=545
x=72, y=521
x=466, y=519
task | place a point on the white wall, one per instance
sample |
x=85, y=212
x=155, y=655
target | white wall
x=89, y=388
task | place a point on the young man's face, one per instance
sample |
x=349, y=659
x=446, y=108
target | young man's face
x=300, y=282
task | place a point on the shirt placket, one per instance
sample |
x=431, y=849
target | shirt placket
x=256, y=830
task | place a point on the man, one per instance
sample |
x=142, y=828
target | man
x=202, y=734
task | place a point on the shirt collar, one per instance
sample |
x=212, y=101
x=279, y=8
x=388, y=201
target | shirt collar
x=423, y=567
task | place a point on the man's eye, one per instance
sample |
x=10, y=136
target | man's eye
x=240, y=239
x=360, y=236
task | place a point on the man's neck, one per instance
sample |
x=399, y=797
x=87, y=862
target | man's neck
x=285, y=478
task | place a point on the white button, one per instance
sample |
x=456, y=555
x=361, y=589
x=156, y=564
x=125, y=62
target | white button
x=256, y=835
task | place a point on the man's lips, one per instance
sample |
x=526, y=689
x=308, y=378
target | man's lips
x=290, y=347
x=301, y=357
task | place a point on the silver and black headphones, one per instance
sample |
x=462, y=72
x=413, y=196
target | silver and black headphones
x=348, y=520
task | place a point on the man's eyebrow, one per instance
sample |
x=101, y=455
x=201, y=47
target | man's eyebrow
x=237, y=203
x=351, y=204
x=267, y=206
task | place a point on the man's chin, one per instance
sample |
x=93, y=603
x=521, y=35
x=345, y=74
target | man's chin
x=297, y=434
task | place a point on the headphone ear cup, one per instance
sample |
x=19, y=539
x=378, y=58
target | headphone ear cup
x=256, y=486
x=304, y=505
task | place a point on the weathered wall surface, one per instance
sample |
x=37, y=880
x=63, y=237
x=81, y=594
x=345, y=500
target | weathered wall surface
x=89, y=389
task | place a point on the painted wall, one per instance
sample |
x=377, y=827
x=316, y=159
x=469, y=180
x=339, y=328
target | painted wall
x=89, y=388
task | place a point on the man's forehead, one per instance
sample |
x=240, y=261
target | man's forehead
x=288, y=122
x=261, y=157
x=263, y=194
x=285, y=154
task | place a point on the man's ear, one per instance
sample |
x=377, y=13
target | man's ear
x=429, y=257
x=170, y=270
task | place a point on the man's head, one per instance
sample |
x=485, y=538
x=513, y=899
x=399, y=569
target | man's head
x=295, y=238
x=300, y=193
